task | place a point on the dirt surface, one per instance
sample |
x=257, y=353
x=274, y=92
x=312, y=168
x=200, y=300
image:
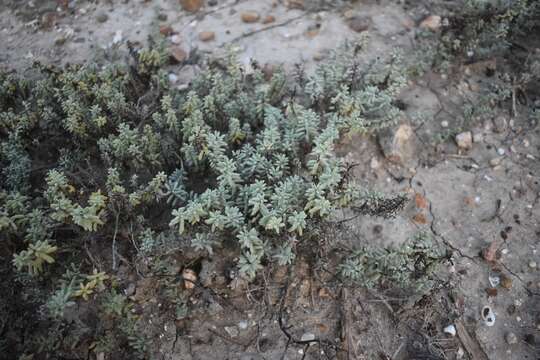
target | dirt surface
x=465, y=199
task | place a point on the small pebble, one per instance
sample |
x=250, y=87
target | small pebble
x=207, y=36
x=501, y=151
x=250, y=17
x=268, y=19
x=478, y=137
x=450, y=330
x=374, y=163
x=506, y=282
x=178, y=54
x=532, y=264
x=117, y=37
x=500, y=124
x=511, y=338
x=495, y=161
x=464, y=140
x=60, y=41
x=191, y=5
x=444, y=124
x=130, y=290
x=318, y=56
x=232, y=331
x=432, y=22
x=349, y=14
x=166, y=30
x=173, y=78
x=307, y=337
x=190, y=278
x=359, y=23
x=243, y=325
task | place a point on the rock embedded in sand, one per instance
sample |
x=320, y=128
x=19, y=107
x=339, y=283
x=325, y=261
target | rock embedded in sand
x=295, y=4
x=268, y=19
x=398, y=143
x=207, y=36
x=464, y=140
x=450, y=330
x=190, y=277
x=165, y=30
x=178, y=54
x=506, y=282
x=250, y=17
x=432, y=22
x=191, y=5
x=359, y=23
x=511, y=338
x=500, y=124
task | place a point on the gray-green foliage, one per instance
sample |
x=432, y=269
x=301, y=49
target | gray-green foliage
x=113, y=155
x=475, y=30
x=413, y=263
x=278, y=171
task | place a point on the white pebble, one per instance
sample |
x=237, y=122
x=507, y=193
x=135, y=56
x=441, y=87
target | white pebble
x=501, y=151
x=117, y=37
x=450, y=330
x=307, y=337
x=173, y=78
x=243, y=324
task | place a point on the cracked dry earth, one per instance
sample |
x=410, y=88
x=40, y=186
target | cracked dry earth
x=468, y=200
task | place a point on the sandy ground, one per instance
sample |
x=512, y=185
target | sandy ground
x=470, y=201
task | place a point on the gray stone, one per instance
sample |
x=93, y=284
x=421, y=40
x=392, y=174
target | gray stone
x=464, y=140
x=511, y=338
x=130, y=289
x=500, y=124
x=398, y=144
x=359, y=23
x=307, y=337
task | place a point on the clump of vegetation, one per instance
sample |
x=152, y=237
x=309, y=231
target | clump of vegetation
x=113, y=154
x=412, y=264
x=490, y=39
x=475, y=30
